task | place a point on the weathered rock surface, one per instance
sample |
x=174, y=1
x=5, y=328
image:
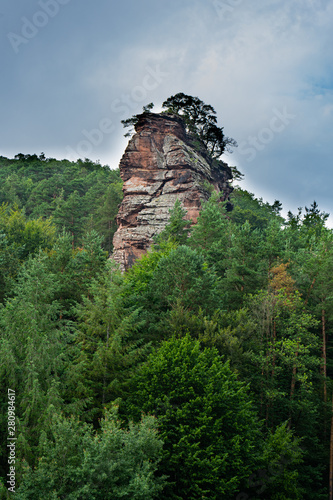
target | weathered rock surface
x=161, y=164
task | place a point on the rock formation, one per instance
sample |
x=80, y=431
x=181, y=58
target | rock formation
x=161, y=163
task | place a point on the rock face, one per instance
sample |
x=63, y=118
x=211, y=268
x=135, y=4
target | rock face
x=160, y=164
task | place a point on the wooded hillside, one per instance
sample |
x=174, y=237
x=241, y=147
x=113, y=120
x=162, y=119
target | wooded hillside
x=202, y=372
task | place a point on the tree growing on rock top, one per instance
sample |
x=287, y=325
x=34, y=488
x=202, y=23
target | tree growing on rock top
x=131, y=122
x=201, y=121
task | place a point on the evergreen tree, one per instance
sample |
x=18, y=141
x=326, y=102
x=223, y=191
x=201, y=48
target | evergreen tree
x=244, y=272
x=68, y=215
x=74, y=462
x=204, y=414
x=32, y=352
x=200, y=120
x=104, y=220
x=183, y=277
x=177, y=228
x=108, y=351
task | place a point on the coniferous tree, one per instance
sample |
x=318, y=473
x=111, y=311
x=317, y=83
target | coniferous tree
x=203, y=414
x=76, y=462
x=32, y=351
x=200, y=120
x=108, y=351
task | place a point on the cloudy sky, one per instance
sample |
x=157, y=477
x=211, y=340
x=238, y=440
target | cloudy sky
x=72, y=69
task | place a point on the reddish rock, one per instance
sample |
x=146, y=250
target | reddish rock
x=161, y=163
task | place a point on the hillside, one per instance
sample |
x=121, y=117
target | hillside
x=221, y=332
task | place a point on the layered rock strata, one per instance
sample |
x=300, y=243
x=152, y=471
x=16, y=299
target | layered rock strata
x=160, y=165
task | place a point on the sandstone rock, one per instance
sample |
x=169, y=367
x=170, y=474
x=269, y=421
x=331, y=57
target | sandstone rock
x=160, y=165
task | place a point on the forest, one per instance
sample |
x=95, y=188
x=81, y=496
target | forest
x=203, y=372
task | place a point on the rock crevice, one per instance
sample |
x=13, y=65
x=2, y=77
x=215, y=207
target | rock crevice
x=160, y=165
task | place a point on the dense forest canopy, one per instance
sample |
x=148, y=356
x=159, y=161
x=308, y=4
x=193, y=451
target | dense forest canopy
x=76, y=194
x=203, y=372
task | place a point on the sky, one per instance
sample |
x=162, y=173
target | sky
x=73, y=69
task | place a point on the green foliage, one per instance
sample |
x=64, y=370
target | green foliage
x=200, y=120
x=236, y=174
x=139, y=276
x=36, y=334
x=183, y=277
x=203, y=413
x=246, y=299
x=167, y=279
x=247, y=208
x=75, y=268
x=79, y=195
x=286, y=352
x=32, y=352
x=108, y=354
x=177, y=228
x=104, y=219
x=278, y=479
x=28, y=236
x=77, y=463
x=67, y=215
x=131, y=122
x=19, y=238
x=313, y=217
x=211, y=234
x=243, y=266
